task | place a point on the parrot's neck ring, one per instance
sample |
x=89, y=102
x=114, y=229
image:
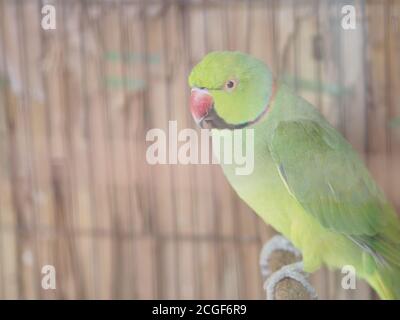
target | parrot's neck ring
x=266, y=108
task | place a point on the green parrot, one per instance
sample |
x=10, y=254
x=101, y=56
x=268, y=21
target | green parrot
x=307, y=182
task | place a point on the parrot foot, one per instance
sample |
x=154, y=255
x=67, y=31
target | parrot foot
x=289, y=283
x=276, y=253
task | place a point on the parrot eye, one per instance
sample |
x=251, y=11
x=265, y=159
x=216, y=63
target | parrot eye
x=230, y=85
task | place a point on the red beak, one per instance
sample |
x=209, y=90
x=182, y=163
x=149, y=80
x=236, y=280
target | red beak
x=201, y=103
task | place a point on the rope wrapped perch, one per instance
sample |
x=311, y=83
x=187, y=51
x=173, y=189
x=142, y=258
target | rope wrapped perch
x=282, y=269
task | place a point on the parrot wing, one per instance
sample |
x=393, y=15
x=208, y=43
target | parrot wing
x=325, y=175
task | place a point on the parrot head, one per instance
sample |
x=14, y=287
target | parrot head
x=230, y=90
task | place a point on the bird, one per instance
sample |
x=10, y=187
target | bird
x=308, y=182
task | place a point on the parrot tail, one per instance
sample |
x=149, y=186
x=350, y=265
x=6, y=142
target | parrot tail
x=386, y=283
x=386, y=277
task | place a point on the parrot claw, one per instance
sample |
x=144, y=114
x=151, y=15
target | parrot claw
x=276, y=253
x=289, y=283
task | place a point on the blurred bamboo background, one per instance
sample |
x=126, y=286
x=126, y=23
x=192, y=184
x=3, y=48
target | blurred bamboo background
x=76, y=191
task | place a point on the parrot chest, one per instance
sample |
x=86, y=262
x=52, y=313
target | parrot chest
x=262, y=189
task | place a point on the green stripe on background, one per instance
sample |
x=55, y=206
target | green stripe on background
x=117, y=82
x=132, y=57
x=314, y=86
